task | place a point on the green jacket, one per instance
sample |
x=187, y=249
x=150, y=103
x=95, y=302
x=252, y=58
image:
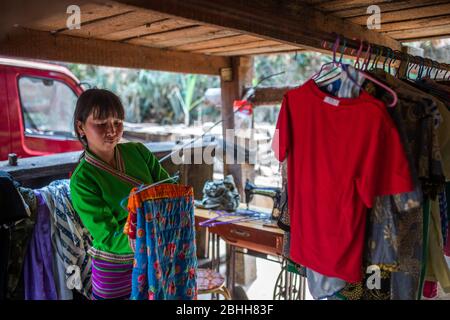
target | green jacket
x=96, y=195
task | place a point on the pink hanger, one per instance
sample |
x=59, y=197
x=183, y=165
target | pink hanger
x=359, y=53
x=392, y=92
x=367, y=76
x=367, y=57
x=329, y=64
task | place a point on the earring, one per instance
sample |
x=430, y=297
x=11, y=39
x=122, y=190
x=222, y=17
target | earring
x=83, y=139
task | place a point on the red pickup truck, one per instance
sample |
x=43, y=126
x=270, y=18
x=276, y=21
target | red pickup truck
x=37, y=101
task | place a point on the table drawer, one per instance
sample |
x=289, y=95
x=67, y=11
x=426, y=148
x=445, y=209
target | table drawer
x=254, y=239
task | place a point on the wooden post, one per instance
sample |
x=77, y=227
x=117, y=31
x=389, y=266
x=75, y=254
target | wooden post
x=232, y=83
x=229, y=83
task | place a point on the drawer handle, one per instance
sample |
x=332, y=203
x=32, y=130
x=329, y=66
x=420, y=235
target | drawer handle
x=240, y=233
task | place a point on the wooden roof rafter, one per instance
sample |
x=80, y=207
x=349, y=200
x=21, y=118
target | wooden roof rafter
x=204, y=29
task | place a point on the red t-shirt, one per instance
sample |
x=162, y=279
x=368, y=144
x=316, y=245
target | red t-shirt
x=342, y=152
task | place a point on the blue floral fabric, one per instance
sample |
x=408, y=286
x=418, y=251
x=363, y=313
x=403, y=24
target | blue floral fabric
x=165, y=252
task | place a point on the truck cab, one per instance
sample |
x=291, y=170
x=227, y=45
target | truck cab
x=37, y=101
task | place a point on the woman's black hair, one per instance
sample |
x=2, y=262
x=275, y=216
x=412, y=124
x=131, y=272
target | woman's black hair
x=101, y=103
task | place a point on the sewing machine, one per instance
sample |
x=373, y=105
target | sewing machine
x=272, y=192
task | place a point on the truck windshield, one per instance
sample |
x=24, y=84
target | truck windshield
x=47, y=107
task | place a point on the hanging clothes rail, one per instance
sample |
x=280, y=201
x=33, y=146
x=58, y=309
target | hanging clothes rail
x=393, y=58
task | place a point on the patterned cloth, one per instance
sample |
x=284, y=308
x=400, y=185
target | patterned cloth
x=208, y=279
x=395, y=226
x=165, y=259
x=70, y=238
x=111, y=280
x=16, y=226
x=19, y=238
x=443, y=207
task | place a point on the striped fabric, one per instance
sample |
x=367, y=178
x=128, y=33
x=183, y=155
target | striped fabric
x=111, y=280
x=70, y=239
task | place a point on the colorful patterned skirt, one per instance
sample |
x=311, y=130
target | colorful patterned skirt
x=161, y=223
x=111, y=275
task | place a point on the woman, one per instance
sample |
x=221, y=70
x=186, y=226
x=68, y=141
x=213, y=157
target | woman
x=105, y=175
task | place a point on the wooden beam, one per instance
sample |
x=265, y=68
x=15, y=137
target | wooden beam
x=241, y=46
x=23, y=11
x=182, y=36
x=416, y=24
x=103, y=28
x=42, y=45
x=292, y=23
x=163, y=25
x=385, y=6
x=90, y=12
x=279, y=48
x=222, y=42
x=336, y=5
x=408, y=14
x=422, y=33
x=269, y=95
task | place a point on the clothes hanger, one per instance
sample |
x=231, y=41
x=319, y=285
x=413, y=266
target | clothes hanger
x=356, y=65
x=337, y=64
x=367, y=58
x=437, y=70
x=377, y=57
x=381, y=84
x=414, y=65
x=334, y=64
x=365, y=75
x=175, y=178
x=421, y=67
x=388, y=57
x=428, y=68
x=393, y=60
x=342, y=66
x=446, y=71
x=328, y=64
x=403, y=57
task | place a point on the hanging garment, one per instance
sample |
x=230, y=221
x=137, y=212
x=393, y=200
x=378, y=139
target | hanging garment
x=319, y=285
x=111, y=275
x=424, y=113
x=165, y=259
x=335, y=184
x=447, y=195
x=70, y=239
x=437, y=268
x=322, y=287
x=38, y=275
x=443, y=105
x=395, y=225
x=390, y=220
x=443, y=211
x=430, y=289
x=97, y=190
x=17, y=221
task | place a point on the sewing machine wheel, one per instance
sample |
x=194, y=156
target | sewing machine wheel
x=289, y=285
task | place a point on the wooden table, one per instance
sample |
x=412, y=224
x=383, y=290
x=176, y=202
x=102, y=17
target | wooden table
x=258, y=236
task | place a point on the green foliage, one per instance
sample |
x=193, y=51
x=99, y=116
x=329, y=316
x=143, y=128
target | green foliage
x=297, y=67
x=168, y=98
x=150, y=96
